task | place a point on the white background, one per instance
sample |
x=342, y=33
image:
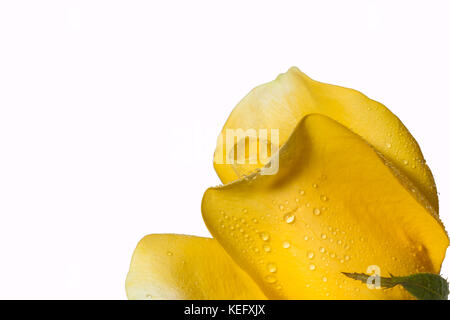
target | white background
x=109, y=113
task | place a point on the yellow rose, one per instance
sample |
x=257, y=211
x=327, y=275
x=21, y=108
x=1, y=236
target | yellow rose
x=351, y=190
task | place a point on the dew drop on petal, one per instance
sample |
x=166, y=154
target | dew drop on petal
x=289, y=217
x=286, y=244
x=270, y=279
x=272, y=267
x=264, y=236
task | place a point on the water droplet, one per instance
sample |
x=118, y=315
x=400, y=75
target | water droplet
x=271, y=279
x=315, y=186
x=244, y=210
x=272, y=267
x=310, y=255
x=405, y=162
x=324, y=279
x=333, y=255
x=306, y=238
x=256, y=250
x=281, y=207
x=286, y=244
x=321, y=249
x=388, y=145
x=169, y=253
x=323, y=198
x=316, y=211
x=312, y=267
x=347, y=258
x=302, y=192
x=339, y=242
x=289, y=217
x=266, y=248
x=148, y=296
x=323, y=236
x=264, y=236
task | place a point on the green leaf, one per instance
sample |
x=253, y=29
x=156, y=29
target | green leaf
x=423, y=286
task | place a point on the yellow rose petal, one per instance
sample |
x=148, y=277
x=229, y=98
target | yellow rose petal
x=282, y=103
x=335, y=205
x=169, y=266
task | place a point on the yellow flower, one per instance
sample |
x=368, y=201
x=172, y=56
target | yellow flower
x=352, y=191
